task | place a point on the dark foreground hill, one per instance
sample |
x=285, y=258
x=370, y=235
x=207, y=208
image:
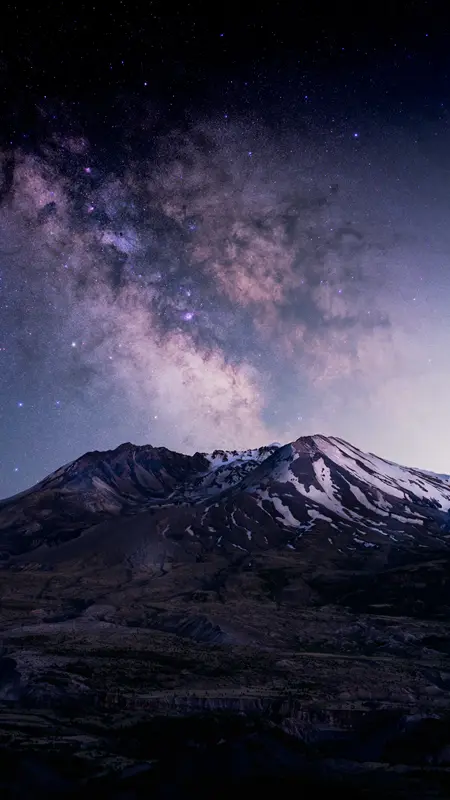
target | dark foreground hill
x=175, y=624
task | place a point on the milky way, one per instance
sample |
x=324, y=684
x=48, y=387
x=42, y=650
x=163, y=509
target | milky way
x=226, y=285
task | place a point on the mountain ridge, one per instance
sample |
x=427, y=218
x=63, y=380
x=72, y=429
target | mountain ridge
x=232, y=498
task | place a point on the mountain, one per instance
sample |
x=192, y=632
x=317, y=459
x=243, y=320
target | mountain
x=249, y=501
x=170, y=622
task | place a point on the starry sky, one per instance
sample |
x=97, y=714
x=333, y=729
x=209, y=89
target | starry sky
x=222, y=232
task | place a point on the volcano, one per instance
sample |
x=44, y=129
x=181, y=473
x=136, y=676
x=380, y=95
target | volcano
x=135, y=502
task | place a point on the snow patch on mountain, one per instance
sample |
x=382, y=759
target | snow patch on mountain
x=385, y=475
x=361, y=497
x=218, y=458
x=321, y=498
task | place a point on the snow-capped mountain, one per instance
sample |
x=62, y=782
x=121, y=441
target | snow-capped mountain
x=136, y=502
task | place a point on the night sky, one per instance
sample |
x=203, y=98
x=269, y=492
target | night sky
x=223, y=230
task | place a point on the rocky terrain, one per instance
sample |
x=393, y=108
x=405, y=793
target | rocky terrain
x=176, y=624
